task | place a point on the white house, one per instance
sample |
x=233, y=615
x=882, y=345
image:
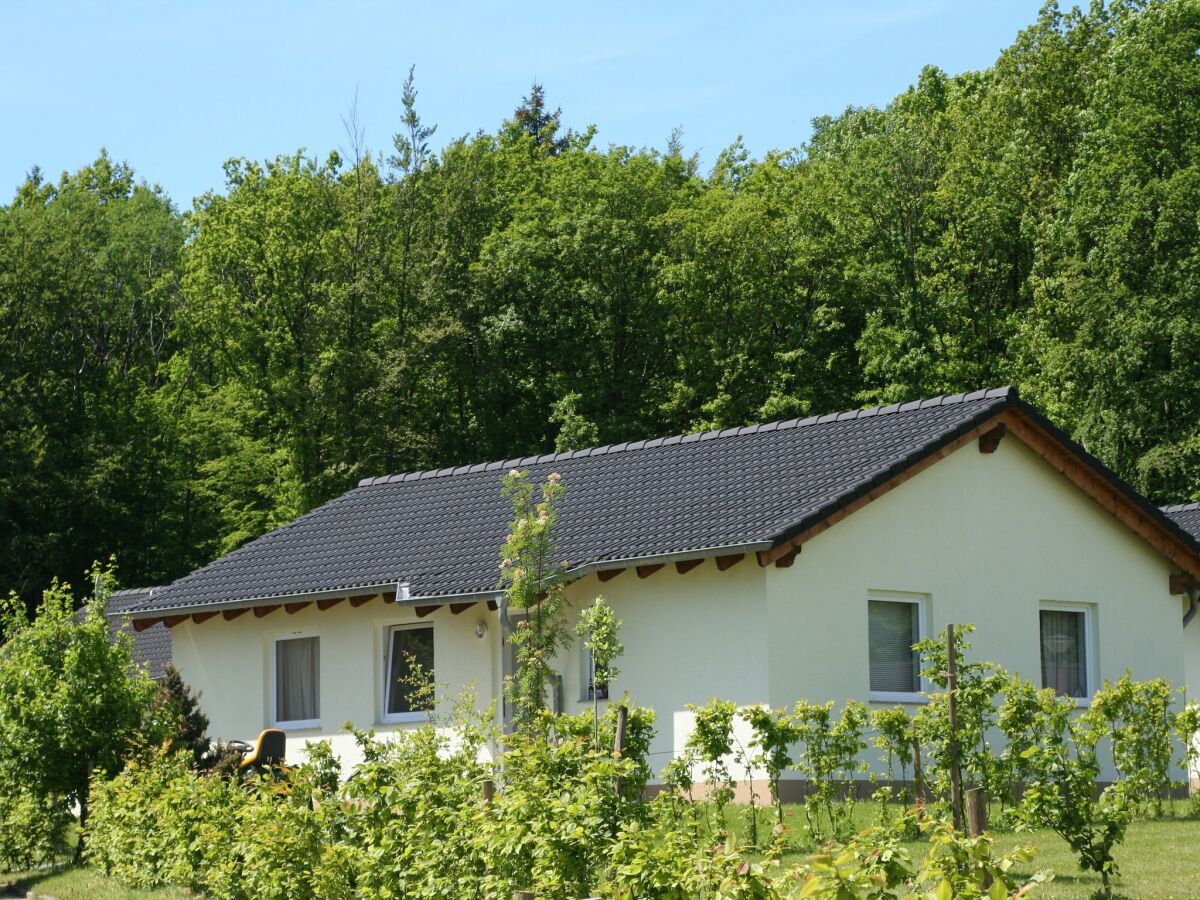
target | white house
x=761, y=564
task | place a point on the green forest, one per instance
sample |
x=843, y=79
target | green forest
x=178, y=381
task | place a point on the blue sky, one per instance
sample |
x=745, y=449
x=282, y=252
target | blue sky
x=175, y=88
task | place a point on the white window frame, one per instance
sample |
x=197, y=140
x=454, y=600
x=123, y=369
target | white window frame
x=298, y=724
x=420, y=715
x=1091, y=671
x=922, y=603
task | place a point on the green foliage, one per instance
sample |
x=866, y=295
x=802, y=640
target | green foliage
x=33, y=830
x=179, y=716
x=71, y=701
x=775, y=732
x=1137, y=719
x=529, y=576
x=830, y=760
x=711, y=744
x=1060, y=768
x=175, y=383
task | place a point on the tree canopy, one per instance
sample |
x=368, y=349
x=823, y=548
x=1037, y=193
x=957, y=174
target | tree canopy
x=174, y=383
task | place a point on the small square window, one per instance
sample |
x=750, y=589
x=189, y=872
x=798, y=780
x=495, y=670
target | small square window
x=1064, y=651
x=409, y=673
x=894, y=626
x=297, y=677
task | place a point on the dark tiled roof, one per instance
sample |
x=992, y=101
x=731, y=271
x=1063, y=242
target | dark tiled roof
x=1186, y=516
x=151, y=646
x=440, y=531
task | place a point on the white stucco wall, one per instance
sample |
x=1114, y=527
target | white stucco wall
x=230, y=663
x=986, y=537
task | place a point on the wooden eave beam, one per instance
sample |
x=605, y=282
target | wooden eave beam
x=1182, y=582
x=388, y=596
x=990, y=440
x=329, y=602
x=459, y=608
x=172, y=621
x=359, y=601
x=423, y=611
x=140, y=625
x=493, y=605
x=202, y=617
x=293, y=608
x=264, y=611
x=230, y=614
x=729, y=561
x=609, y=574
x=686, y=565
x=647, y=571
x=781, y=562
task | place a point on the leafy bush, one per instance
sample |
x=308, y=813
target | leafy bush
x=1138, y=720
x=33, y=830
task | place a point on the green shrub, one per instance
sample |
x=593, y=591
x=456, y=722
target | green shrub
x=32, y=831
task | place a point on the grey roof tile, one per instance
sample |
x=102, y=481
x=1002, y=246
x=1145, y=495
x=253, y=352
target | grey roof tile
x=441, y=533
x=152, y=646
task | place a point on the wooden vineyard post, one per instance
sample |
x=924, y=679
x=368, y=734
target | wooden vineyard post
x=918, y=777
x=952, y=692
x=619, y=742
x=976, y=811
x=489, y=790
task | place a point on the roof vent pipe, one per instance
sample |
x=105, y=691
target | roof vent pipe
x=1193, y=592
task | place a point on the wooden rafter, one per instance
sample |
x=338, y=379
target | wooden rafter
x=647, y=571
x=230, y=614
x=328, y=602
x=359, y=601
x=990, y=440
x=460, y=608
x=140, y=625
x=388, y=596
x=172, y=621
x=263, y=611
x=781, y=562
x=423, y=611
x=609, y=574
x=202, y=617
x=686, y=565
x=727, y=562
x=1182, y=582
x=293, y=608
x=493, y=605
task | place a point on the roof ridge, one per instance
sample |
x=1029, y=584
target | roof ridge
x=1180, y=507
x=1005, y=392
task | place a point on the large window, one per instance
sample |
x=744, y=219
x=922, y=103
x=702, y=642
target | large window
x=407, y=694
x=1065, y=652
x=895, y=624
x=296, y=693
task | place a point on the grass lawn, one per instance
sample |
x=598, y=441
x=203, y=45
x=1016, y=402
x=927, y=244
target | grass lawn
x=1156, y=859
x=72, y=883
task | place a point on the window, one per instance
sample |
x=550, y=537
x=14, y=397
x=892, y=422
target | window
x=1065, y=653
x=409, y=673
x=297, y=677
x=895, y=624
x=586, y=678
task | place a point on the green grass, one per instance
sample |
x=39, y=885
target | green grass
x=1157, y=858
x=76, y=883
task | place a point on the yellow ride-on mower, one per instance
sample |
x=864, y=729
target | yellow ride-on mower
x=266, y=756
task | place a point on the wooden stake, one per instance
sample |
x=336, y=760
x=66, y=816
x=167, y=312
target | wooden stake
x=952, y=696
x=489, y=790
x=619, y=743
x=976, y=811
x=918, y=776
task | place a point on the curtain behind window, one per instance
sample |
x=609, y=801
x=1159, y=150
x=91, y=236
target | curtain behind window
x=297, y=679
x=411, y=667
x=894, y=628
x=1063, y=652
